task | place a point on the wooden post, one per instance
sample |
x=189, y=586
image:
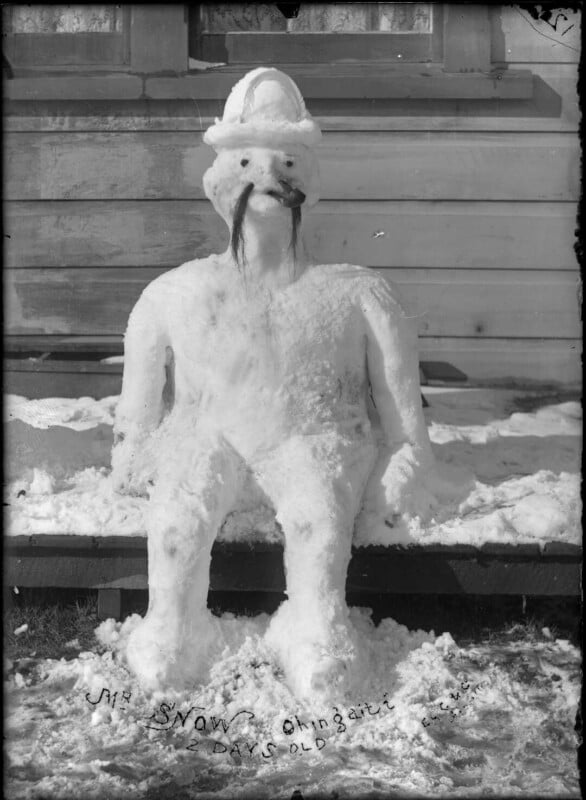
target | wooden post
x=466, y=38
x=109, y=603
x=158, y=38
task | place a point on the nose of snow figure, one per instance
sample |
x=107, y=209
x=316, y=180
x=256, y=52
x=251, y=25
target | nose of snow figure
x=265, y=167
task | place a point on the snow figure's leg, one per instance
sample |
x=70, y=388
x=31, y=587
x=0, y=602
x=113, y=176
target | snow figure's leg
x=172, y=646
x=316, y=484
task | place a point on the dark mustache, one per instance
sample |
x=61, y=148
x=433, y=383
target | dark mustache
x=289, y=197
x=237, y=238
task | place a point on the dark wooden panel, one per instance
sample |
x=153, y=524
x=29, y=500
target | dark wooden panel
x=37, y=345
x=158, y=38
x=35, y=385
x=508, y=570
x=467, y=303
x=304, y=48
x=41, y=49
x=360, y=166
x=40, y=364
x=109, y=603
x=404, y=234
x=466, y=38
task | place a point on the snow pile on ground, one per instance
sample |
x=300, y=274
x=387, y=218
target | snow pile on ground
x=77, y=413
x=524, y=453
x=426, y=717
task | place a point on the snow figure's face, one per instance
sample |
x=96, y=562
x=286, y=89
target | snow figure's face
x=263, y=183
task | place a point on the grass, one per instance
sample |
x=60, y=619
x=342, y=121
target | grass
x=61, y=624
x=52, y=626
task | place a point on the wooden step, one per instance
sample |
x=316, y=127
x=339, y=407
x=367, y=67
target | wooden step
x=117, y=563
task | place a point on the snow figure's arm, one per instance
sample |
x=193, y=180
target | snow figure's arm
x=140, y=408
x=393, y=370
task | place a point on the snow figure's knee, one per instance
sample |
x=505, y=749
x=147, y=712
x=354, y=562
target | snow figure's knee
x=307, y=526
x=171, y=542
x=325, y=505
x=169, y=547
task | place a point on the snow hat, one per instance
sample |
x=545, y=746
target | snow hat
x=265, y=108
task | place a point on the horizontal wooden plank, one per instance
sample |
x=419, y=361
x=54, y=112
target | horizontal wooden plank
x=108, y=86
x=40, y=542
x=551, y=551
x=109, y=345
x=48, y=365
x=363, y=166
x=36, y=385
x=510, y=362
x=518, y=37
x=34, y=378
x=397, y=571
x=64, y=380
x=329, y=81
x=552, y=107
x=360, y=81
x=477, y=235
x=502, y=362
x=447, y=302
x=492, y=304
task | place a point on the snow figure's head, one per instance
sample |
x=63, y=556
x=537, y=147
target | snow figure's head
x=265, y=165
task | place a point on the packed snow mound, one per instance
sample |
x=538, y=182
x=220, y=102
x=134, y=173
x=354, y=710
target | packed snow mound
x=426, y=717
x=76, y=413
x=526, y=468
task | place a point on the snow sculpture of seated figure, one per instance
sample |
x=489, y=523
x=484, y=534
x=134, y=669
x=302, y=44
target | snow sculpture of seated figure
x=273, y=360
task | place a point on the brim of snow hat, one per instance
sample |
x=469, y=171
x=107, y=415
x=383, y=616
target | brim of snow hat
x=266, y=133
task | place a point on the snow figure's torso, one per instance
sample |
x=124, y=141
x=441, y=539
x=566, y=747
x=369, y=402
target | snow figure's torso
x=259, y=365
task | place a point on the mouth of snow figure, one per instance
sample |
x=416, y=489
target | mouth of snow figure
x=288, y=197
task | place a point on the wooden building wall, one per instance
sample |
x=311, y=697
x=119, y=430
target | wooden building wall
x=469, y=205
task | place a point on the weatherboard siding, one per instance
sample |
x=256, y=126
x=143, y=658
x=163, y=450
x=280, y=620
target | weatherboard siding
x=470, y=207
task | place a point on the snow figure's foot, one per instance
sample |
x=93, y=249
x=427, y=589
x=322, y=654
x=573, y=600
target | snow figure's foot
x=313, y=673
x=317, y=659
x=160, y=660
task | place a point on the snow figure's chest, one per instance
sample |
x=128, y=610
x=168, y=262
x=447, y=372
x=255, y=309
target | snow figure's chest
x=268, y=335
x=260, y=364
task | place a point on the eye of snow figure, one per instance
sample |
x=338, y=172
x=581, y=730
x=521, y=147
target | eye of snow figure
x=244, y=162
x=289, y=163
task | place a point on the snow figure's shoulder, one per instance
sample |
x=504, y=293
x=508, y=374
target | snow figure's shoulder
x=348, y=272
x=365, y=284
x=375, y=290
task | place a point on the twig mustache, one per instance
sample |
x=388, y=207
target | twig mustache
x=237, y=236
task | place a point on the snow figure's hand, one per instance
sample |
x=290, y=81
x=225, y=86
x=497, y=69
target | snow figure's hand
x=401, y=488
x=399, y=485
x=130, y=474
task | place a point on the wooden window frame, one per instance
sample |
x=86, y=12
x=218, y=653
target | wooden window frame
x=256, y=48
x=159, y=68
x=70, y=51
x=153, y=40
